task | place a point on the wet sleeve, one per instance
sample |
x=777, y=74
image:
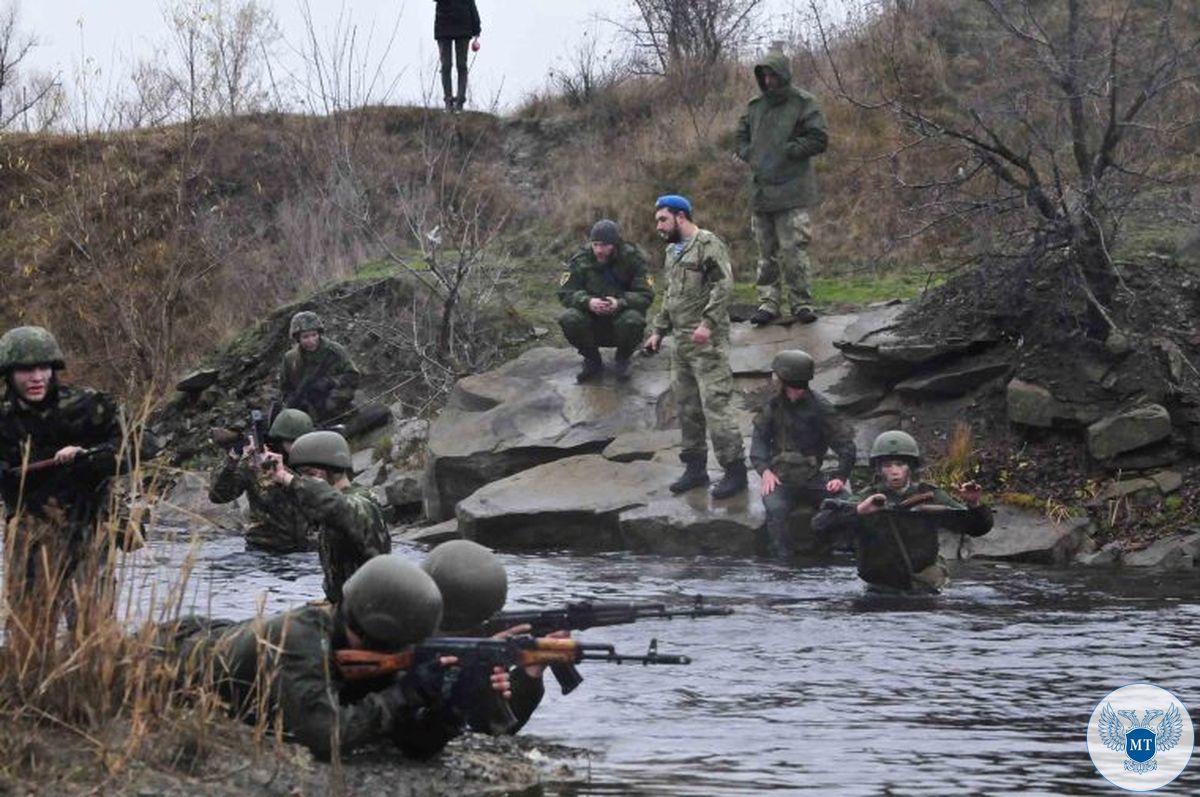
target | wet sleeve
x=226, y=482
x=837, y=517
x=809, y=137
x=973, y=520
x=760, y=442
x=718, y=274
x=639, y=295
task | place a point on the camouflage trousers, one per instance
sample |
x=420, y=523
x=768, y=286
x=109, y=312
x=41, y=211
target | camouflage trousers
x=783, y=264
x=703, y=387
x=586, y=332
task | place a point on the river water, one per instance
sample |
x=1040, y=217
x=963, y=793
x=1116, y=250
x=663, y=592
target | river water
x=812, y=685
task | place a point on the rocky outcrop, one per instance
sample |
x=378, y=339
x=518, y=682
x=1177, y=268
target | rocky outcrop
x=1021, y=536
x=1033, y=405
x=1128, y=431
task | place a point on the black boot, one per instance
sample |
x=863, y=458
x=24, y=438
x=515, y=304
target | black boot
x=733, y=482
x=762, y=316
x=593, y=366
x=695, y=475
x=621, y=367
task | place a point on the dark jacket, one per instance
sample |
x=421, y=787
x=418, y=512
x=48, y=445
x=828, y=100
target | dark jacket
x=351, y=528
x=778, y=136
x=624, y=277
x=791, y=437
x=321, y=382
x=455, y=19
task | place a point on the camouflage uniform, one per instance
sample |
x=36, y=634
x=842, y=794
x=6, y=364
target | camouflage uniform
x=623, y=277
x=791, y=438
x=351, y=528
x=283, y=667
x=60, y=506
x=699, y=283
x=277, y=522
x=321, y=382
x=897, y=548
x=781, y=131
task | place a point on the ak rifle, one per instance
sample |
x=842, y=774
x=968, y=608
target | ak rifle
x=517, y=651
x=590, y=614
x=82, y=458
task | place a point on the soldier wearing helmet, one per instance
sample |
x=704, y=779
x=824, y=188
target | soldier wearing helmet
x=607, y=295
x=279, y=669
x=895, y=521
x=277, y=522
x=350, y=524
x=317, y=375
x=792, y=434
x=74, y=433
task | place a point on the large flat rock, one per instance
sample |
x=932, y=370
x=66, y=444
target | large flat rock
x=751, y=348
x=592, y=503
x=1020, y=535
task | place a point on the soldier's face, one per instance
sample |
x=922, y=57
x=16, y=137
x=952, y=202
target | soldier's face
x=794, y=393
x=770, y=79
x=602, y=251
x=895, y=473
x=667, y=225
x=32, y=383
x=310, y=340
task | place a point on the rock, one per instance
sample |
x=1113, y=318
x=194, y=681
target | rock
x=1108, y=555
x=591, y=503
x=361, y=461
x=1172, y=357
x=955, y=380
x=633, y=446
x=1033, y=405
x=1020, y=535
x=751, y=349
x=403, y=489
x=847, y=388
x=430, y=535
x=185, y=506
x=1126, y=488
x=872, y=340
x=528, y=412
x=1128, y=430
x=1117, y=344
x=1168, y=481
x=1175, y=552
x=1154, y=456
x=198, y=380
x=409, y=436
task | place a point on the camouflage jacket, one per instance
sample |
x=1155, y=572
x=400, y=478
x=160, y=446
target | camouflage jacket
x=699, y=285
x=282, y=668
x=277, y=521
x=780, y=133
x=68, y=416
x=623, y=277
x=320, y=382
x=351, y=529
x=791, y=438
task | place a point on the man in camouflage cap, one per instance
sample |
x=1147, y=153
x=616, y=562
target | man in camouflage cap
x=695, y=311
x=792, y=433
x=317, y=375
x=277, y=522
x=895, y=520
x=75, y=435
x=350, y=525
x=782, y=130
x=281, y=668
x=607, y=294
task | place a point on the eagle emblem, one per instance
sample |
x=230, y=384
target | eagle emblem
x=1139, y=742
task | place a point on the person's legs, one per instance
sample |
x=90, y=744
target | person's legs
x=447, y=87
x=762, y=225
x=460, y=56
x=794, y=233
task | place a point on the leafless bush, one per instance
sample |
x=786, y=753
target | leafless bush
x=21, y=94
x=673, y=35
x=589, y=71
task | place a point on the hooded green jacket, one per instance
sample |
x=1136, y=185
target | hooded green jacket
x=780, y=133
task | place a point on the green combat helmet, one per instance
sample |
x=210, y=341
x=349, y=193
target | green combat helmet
x=793, y=367
x=327, y=450
x=305, y=321
x=28, y=346
x=894, y=445
x=289, y=425
x=473, y=583
x=391, y=602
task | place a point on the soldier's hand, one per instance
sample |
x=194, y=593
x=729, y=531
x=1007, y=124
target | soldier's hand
x=871, y=504
x=273, y=465
x=971, y=493
x=769, y=482
x=500, y=682
x=614, y=304
x=538, y=670
x=598, y=306
x=67, y=454
x=834, y=486
x=653, y=343
x=701, y=335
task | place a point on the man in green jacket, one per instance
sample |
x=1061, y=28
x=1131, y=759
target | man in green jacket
x=350, y=525
x=695, y=311
x=607, y=294
x=281, y=669
x=317, y=375
x=780, y=133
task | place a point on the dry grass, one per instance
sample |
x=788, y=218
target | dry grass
x=958, y=463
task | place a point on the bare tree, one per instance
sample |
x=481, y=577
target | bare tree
x=239, y=34
x=20, y=94
x=694, y=34
x=1050, y=116
x=589, y=71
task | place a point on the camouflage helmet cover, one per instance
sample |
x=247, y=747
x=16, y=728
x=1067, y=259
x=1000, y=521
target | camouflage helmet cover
x=392, y=602
x=793, y=367
x=895, y=444
x=472, y=581
x=305, y=321
x=322, y=449
x=290, y=424
x=26, y=346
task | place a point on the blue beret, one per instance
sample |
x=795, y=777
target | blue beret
x=673, y=202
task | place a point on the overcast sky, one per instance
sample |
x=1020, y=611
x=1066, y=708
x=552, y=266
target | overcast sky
x=522, y=39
